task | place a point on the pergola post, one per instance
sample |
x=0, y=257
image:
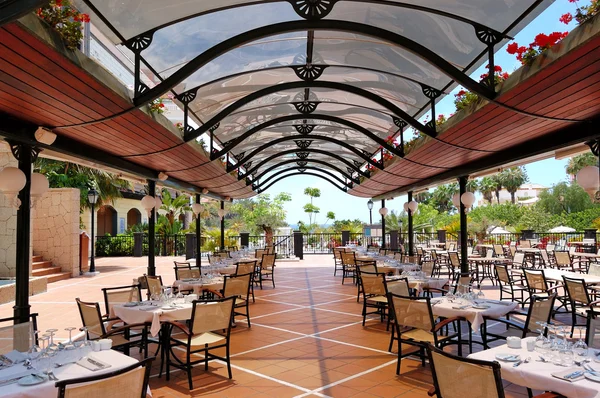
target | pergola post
x=151, y=231
x=411, y=243
x=382, y=225
x=198, y=236
x=464, y=236
x=26, y=155
x=223, y=226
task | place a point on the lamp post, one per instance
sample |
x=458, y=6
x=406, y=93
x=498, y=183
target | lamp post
x=370, y=206
x=92, y=198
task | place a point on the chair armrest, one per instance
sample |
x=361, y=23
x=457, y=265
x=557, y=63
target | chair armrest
x=445, y=322
x=180, y=326
x=216, y=293
x=431, y=391
x=553, y=288
x=549, y=395
x=594, y=304
x=123, y=328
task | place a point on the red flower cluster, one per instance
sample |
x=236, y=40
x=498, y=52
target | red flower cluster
x=566, y=18
x=546, y=41
x=82, y=18
x=541, y=42
x=499, y=75
x=460, y=93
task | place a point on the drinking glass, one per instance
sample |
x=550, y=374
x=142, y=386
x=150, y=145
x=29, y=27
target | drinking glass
x=566, y=354
x=34, y=351
x=580, y=347
x=69, y=348
x=541, y=340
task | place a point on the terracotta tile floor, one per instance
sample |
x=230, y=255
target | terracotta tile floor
x=306, y=338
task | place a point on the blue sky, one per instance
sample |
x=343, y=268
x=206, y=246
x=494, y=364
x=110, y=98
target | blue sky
x=546, y=172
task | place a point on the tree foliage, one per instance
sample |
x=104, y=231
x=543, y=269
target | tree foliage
x=564, y=198
x=578, y=162
x=512, y=179
x=262, y=214
x=310, y=208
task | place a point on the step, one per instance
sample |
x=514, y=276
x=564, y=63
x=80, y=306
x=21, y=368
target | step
x=58, y=277
x=41, y=264
x=36, y=259
x=46, y=271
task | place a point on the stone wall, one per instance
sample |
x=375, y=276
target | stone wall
x=55, y=228
x=8, y=222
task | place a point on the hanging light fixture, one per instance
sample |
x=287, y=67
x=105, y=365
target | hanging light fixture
x=39, y=186
x=467, y=199
x=413, y=206
x=197, y=208
x=12, y=181
x=383, y=211
x=456, y=200
x=221, y=213
x=589, y=180
x=148, y=203
x=406, y=207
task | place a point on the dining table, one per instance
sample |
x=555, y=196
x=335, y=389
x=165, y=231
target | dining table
x=538, y=375
x=47, y=389
x=152, y=312
x=417, y=283
x=556, y=275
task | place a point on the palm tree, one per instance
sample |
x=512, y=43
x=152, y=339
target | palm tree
x=442, y=197
x=579, y=162
x=498, y=183
x=487, y=187
x=472, y=186
x=174, y=206
x=310, y=208
x=512, y=179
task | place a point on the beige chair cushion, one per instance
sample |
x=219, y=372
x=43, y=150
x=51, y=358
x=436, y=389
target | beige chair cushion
x=378, y=299
x=421, y=335
x=201, y=339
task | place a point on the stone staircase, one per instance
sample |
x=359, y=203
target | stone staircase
x=39, y=267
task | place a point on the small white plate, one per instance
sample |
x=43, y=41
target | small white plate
x=168, y=308
x=481, y=306
x=592, y=377
x=131, y=304
x=508, y=357
x=31, y=380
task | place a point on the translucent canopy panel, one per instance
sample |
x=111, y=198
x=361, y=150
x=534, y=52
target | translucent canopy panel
x=314, y=159
x=294, y=167
x=293, y=148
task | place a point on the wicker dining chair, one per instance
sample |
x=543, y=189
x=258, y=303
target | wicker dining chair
x=509, y=285
x=337, y=258
x=154, y=284
x=128, y=382
x=563, y=261
x=579, y=300
x=458, y=377
x=120, y=295
x=248, y=267
x=267, y=269
x=592, y=331
x=210, y=330
x=122, y=337
x=540, y=310
x=348, y=266
x=525, y=244
x=366, y=266
x=414, y=323
x=259, y=253
x=17, y=336
x=237, y=286
x=374, y=290
x=398, y=256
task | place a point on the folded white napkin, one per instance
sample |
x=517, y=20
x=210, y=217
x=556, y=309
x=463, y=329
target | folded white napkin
x=561, y=375
x=92, y=363
x=16, y=356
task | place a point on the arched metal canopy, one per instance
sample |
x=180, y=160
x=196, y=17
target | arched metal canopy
x=240, y=69
x=261, y=188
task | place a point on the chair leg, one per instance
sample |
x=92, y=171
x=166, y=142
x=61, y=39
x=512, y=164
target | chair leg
x=399, y=359
x=273, y=277
x=247, y=316
x=392, y=337
x=189, y=370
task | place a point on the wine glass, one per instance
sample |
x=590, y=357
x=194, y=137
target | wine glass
x=541, y=339
x=580, y=347
x=69, y=348
x=35, y=350
x=52, y=346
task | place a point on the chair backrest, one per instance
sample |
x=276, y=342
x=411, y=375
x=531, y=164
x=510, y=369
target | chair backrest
x=592, y=333
x=154, y=284
x=550, y=247
x=525, y=244
x=420, y=251
x=434, y=255
x=469, y=250
x=245, y=267
x=17, y=336
x=545, y=257
x=268, y=260
x=498, y=250
x=540, y=310
x=348, y=258
x=535, y=279
x=337, y=253
x=237, y=285
x=414, y=312
x=182, y=264
x=91, y=318
x=454, y=260
x=459, y=377
x=383, y=252
x=513, y=250
x=518, y=259
x=183, y=273
x=128, y=382
x=428, y=267
x=463, y=283
x=212, y=316
x=502, y=273
x=121, y=295
x=572, y=249
x=451, y=246
x=576, y=290
x=594, y=269
x=270, y=249
x=489, y=254
x=367, y=266
x=562, y=258
x=399, y=287
x=373, y=283
x=398, y=256
x=260, y=252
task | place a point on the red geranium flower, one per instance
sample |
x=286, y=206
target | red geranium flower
x=512, y=48
x=460, y=93
x=541, y=40
x=566, y=18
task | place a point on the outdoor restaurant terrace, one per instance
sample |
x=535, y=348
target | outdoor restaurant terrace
x=271, y=90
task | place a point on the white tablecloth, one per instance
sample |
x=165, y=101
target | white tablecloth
x=197, y=286
x=47, y=389
x=444, y=309
x=537, y=375
x=155, y=316
x=420, y=284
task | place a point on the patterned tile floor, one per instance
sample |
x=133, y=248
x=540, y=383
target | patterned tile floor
x=306, y=338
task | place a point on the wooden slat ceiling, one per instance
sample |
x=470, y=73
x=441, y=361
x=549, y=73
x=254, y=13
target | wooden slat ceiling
x=40, y=85
x=568, y=88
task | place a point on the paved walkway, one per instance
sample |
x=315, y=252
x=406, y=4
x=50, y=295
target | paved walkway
x=306, y=338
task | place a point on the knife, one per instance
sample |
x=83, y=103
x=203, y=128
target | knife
x=574, y=374
x=96, y=363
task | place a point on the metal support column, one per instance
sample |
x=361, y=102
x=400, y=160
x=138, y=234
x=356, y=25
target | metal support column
x=464, y=236
x=382, y=225
x=223, y=227
x=26, y=155
x=198, y=236
x=411, y=243
x=151, y=231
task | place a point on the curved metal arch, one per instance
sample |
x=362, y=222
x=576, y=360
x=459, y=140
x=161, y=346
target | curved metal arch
x=476, y=25
x=259, y=187
x=261, y=148
x=314, y=84
x=331, y=25
x=312, y=150
x=309, y=161
x=230, y=145
x=330, y=174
